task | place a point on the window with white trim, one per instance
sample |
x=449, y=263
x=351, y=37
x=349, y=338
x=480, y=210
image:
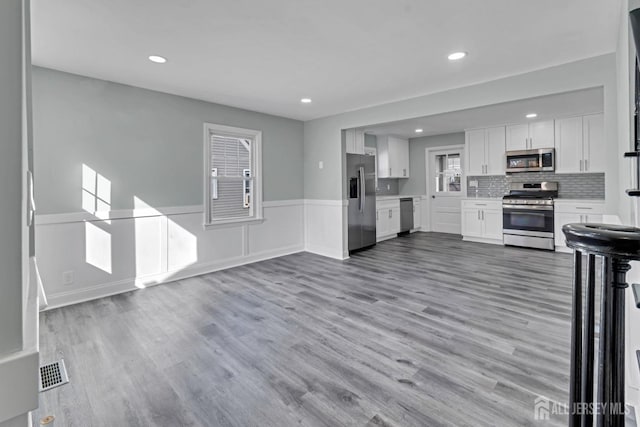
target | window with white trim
x=233, y=180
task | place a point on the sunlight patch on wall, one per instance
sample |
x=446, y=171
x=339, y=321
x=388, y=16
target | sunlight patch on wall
x=96, y=199
x=148, y=232
x=97, y=247
x=158, y=239
x=96, y=193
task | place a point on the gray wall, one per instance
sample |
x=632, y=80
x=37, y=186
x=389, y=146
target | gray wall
x=11, y=83
x=148, y=144
x=416, y=185
x=370, y=141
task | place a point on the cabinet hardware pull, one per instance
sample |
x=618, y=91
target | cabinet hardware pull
x=580, y=165
x=586, y=167
x=390, y=213
x=583, y=207
x=478, y=214
x=377, y=215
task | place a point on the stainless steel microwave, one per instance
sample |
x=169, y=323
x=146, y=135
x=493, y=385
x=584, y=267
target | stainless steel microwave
x=539, y=160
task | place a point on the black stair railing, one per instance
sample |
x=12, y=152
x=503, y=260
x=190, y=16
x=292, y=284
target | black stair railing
x=614, y=246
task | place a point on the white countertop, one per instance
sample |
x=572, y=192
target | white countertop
x=560, y=200
x=397, y=196
x=485, y=199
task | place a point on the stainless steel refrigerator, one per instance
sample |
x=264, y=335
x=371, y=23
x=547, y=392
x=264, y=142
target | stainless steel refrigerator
x=361, y=188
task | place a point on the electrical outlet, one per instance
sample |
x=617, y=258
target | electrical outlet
x=67, y=278
x=388, y=187
x=320, y=164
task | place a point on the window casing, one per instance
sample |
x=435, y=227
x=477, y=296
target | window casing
x=233, y=175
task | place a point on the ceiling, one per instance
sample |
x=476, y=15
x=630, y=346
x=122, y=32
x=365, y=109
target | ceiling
x=546, y=107
x=345, y=55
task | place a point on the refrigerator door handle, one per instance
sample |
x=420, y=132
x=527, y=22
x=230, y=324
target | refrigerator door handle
x=31, y=202
x=363, y=188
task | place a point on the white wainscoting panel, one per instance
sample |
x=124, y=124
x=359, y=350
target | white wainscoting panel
x=190, y=244
x=324, y=228
x=285, y=229
x=82, y=257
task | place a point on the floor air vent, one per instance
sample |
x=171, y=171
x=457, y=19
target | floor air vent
x=53, y=375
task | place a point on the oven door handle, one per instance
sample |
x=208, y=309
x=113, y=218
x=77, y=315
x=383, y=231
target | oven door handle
x=529, y=207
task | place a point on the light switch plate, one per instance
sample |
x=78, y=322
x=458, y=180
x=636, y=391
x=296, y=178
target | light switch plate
x=320, y=164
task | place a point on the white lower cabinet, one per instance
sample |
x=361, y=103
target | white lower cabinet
x=573, y=211
x=492, y=220
x=387, y=219
x=482, y=220
x=417, y=214
x=471, y=222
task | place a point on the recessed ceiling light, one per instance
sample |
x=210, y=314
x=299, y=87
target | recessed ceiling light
x=306, y=100
x=157, y=59
x=531, y=116
x=418, y=130
x=457, y=55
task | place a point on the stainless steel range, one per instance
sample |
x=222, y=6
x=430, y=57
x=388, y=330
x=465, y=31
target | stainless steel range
x=527, y=215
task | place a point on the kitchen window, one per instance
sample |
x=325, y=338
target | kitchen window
x=233, y=180
x=448, y=173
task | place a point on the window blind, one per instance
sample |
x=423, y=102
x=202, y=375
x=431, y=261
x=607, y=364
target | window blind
x=231, y=157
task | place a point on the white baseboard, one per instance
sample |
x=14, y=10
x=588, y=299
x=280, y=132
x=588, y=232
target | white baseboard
x=482, y=240
x=387, y=237
x=324, y=251
x=114, y=288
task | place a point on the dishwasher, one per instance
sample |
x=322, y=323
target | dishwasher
x=406, y=215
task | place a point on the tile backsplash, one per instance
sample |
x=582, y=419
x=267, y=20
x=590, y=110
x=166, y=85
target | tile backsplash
x=387, y=187
x=570, y=185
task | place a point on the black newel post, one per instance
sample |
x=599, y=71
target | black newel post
x=615, y=246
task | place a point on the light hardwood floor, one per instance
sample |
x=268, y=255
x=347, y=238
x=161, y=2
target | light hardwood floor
x=424, y=330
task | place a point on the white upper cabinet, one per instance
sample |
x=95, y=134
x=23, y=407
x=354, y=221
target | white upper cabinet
x=541, y=135
x=475, y=155
x=393, y=157
x=517, y=137
x=354, y=140
x=485, y=151
x=530, y=136
x=495, y=148
x=569, y=145
x=593, y=144
x=580, y=144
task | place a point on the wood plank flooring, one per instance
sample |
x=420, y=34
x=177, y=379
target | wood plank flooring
x=423, y=330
